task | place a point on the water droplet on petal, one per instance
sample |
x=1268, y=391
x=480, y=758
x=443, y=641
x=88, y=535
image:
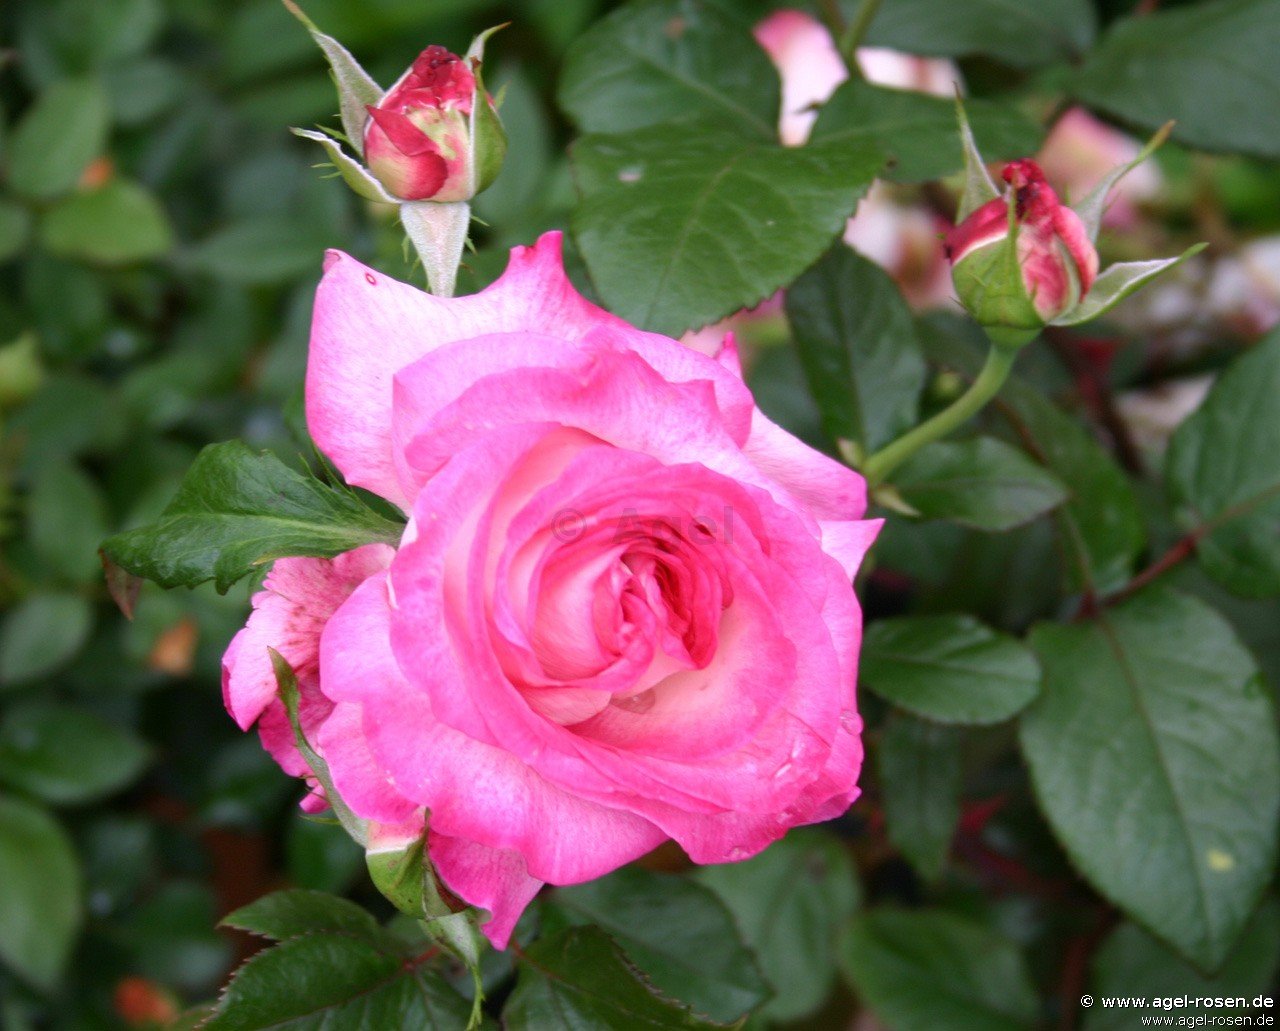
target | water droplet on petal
x=737, y=854
x=642, y=702
x=849, y=721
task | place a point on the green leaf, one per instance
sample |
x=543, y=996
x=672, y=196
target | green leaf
x=581, y=979
x=790, y=902
x=655, y=61
x=271, y=249
x=924, y=970
x=116, y=224
x=1223, y=473
x=679, y=233
x=1132, y=963
x=1209, y=67
x=676, y=931
x=64, y=754
x=170, y=937
x=951, y=669
x=920, y=782
x=41, y=633
x=68, y=35
x=295, y=912
x=238, y=510
x=1101, y=521
x=858, y=347
x=320, y=855
x=1026, y=34
x=919, y=132
x=59, y=135
x=66, y=521
x=1154, y=754
x=39, y=893
x=331, y=980
x=15, y=227
x=982, y=483
x=21, y=370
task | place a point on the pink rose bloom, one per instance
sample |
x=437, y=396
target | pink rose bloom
x=1057, y=262
x=621, y=611
x=904, y=239
x=1081, y=151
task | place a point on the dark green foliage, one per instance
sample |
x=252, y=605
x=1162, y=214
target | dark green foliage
x=1071, y=778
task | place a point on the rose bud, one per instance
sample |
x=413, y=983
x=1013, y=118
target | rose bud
x=435, y=134
x=1022, y=260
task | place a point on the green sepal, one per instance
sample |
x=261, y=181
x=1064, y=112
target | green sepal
x=978, y=186
x=1118, y=282
x=354, y=174
x=287, y=685
x=356, y=89
x=1092, y=208
x=488, y=138
x=398, y=874
x=989, y=283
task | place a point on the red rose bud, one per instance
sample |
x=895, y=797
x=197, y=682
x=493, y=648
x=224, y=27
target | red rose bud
x=1022, y=260
x=435, y=134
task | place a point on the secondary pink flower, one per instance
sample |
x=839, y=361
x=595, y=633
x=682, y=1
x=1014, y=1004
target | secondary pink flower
x=622, y=609
x=297, y=598
x=1055, y=262
x=419, y=139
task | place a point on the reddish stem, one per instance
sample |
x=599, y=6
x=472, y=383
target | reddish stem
x=1075, y=966
x=1179, y=553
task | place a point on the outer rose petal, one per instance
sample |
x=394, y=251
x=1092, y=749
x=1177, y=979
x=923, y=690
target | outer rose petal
x=491, y=878
x=475, y=792
x=367, y=326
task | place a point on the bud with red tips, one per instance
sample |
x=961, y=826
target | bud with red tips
x=1021, y=259
x=429, y=144
x=421, y=140
x=1024, y=259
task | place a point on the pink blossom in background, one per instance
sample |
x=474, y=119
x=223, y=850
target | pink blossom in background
x=621, y=611
x=811, y=68
x=1244, y=288
x=1081, y=150
x=905, y=239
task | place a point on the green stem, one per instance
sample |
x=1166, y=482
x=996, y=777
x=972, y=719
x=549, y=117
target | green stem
x=999, y=363
x=857, y=32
